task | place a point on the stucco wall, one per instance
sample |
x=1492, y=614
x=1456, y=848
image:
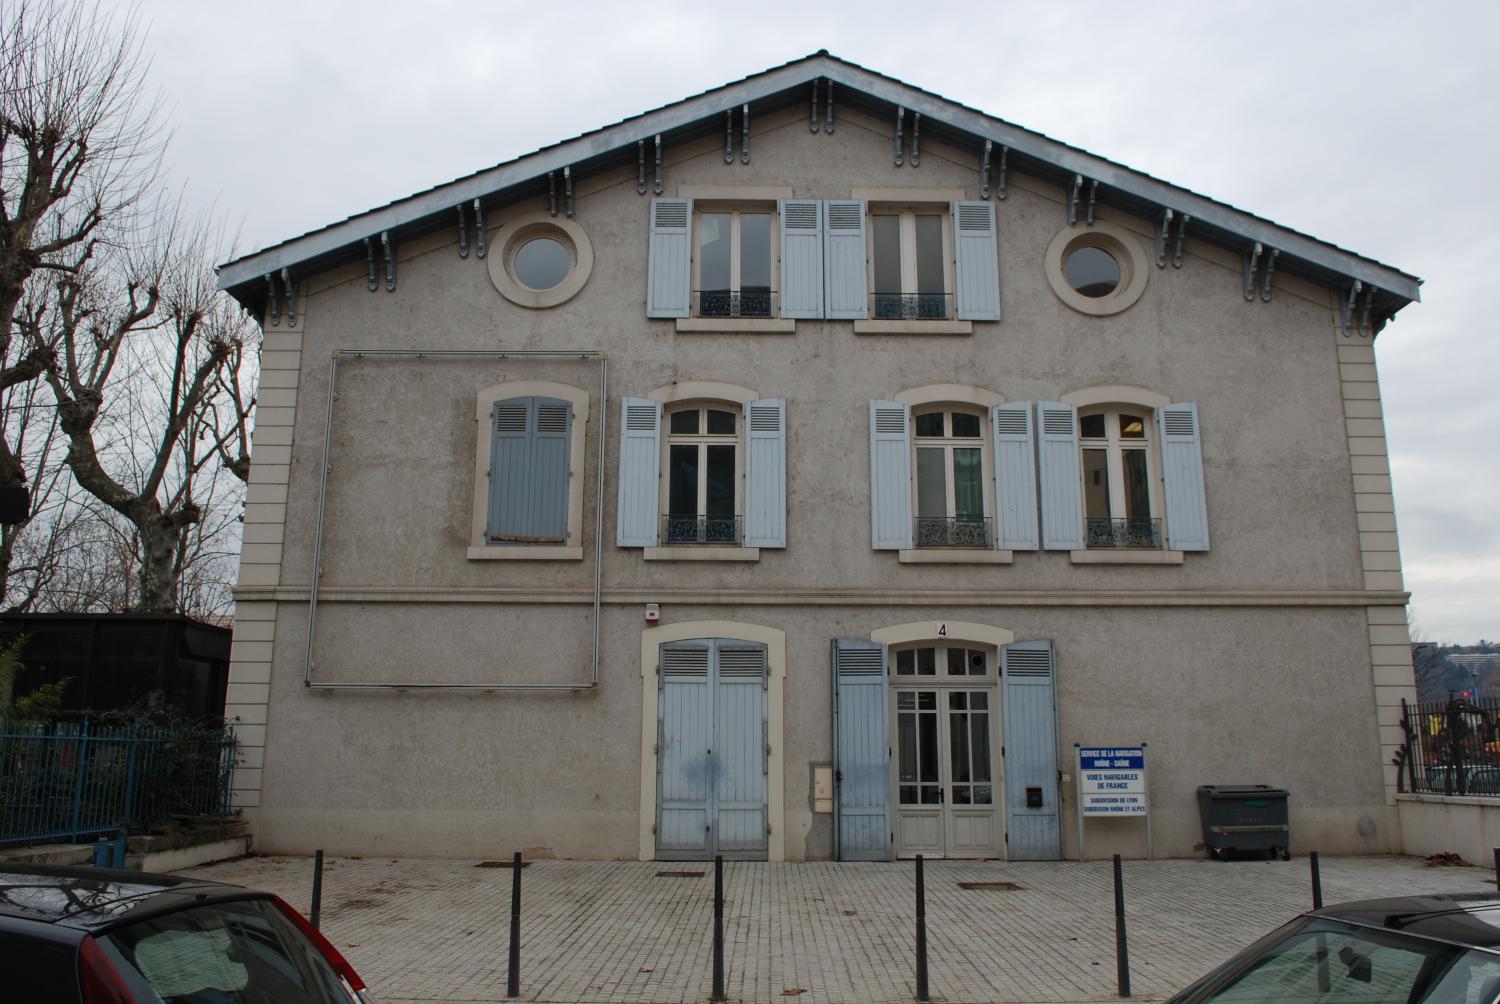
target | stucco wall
x=1250, y=663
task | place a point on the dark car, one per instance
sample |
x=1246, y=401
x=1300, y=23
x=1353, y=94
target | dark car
x=1403, y=950
x=101, y=936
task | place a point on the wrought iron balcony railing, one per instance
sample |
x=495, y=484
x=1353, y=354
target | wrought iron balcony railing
x=951, y=531
x=909, y=306
x=734, y=303
x=677, y=528
x=1144, y=534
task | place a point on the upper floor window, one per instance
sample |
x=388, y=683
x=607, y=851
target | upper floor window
x=703, y=475
x=527, y=501
x=1119, y=503
x=910, y=271
x=733, y=262
x=951, y=480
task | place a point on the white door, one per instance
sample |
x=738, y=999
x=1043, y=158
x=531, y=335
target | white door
x=946, y=736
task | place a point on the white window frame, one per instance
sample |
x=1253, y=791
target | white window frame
x=1115, y=447
x=907, y=213
x=735, y=208
x=481, y=548
x=703, y=439
x=947, y=443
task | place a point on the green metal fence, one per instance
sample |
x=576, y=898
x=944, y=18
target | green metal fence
x=74, y=780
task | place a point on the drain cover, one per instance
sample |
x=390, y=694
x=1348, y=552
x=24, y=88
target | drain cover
x=990, y=886
x=679, y=874
x=501, y=864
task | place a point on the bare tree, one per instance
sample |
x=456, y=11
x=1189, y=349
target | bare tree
x=80, y=141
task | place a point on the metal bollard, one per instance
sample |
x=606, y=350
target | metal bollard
x=922, y=994
x=1317, y=880
x=513, y=981
x=117, y=859
x=316, y=916
x=1122, y=953
x=718, y=988
x=101, y=853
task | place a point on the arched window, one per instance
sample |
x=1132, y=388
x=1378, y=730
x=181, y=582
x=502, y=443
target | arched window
x=953, y=507
x=704, y=462
x=1120, y=503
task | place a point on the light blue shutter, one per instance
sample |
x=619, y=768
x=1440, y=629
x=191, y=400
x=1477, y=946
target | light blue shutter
x=765, y=474
x=861, y=753
x=510, y=464
x=1015, y=476
x=978, y=263
x=740, y=771
x=1182, y=473
x=844, y=259
x=684, y=738
x=640, y=472
x=890, y=476
x=1061, y=474
x=549, y=470
x=801, y=258
x=669, y=272
x=1029, y=669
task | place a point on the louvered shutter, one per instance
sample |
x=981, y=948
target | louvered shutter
x=1015, y=476
x=861, y=753
x=765, y=474
x=640, y=472
x=801, y=258
x=740, y=771
x=844, y=273
x=684, y=793
x=978, y=262
x=1029, y=671
x=549, y=470
x=890, y=476
x=1061, y=476
x=511, y=424
x=1182, y=476
x=669, y=271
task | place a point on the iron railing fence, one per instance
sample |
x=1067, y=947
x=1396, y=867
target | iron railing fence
x=1142, y=534
x=685, y=528
x=953, y=531
x=75, y=780
x=1452, y=747
x=910, y=306
x=734, y=303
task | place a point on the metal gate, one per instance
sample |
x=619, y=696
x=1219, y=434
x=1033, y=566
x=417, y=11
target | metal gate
x=1031, y=779
x=711, y=751
x=861, y=753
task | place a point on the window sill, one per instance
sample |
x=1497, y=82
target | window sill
x=1126, y=557
x=955, y=556
x=913, y=327
x=501, y=552
x=736, y=325
x=690, y=552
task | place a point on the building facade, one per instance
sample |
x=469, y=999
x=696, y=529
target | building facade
x=802, y=470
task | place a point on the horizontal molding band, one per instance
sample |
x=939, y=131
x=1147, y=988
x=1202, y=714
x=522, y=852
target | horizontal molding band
x=792, y=597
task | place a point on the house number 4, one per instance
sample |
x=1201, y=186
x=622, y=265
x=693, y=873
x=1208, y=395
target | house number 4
x=942, y=630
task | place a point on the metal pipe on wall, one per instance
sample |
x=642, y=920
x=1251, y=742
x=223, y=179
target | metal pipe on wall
x=317, y=570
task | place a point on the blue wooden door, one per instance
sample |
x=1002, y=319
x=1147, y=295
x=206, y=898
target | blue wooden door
x=861, y=753
x=1031, y=780
x=711, y=751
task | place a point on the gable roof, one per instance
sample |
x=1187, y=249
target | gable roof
x=955, y=124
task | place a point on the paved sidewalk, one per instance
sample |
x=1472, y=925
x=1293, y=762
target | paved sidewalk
x=820, y=933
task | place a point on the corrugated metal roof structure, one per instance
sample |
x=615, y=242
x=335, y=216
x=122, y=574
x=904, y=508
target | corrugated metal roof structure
x=1384, y=289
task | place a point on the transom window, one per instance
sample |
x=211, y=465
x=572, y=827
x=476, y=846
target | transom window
x=1118, y=492
x=942, y=660
x=950, y=480
x=910, y=264
x=734, y=263
x=703, y=475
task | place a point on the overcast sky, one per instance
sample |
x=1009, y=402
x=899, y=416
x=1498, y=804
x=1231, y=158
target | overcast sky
x=1368, y=124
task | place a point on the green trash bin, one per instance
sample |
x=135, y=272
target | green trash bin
x=1244, y=818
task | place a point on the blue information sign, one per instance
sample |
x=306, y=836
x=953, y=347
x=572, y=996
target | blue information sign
x=1112, y=758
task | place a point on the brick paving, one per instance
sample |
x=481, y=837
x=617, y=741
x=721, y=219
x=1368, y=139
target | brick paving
x=611, y=932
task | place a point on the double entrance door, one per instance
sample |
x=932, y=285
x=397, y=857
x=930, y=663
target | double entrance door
x=711, y=778
x=946, y=795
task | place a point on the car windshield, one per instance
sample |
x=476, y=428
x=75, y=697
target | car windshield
x=1321, y=960
x=242, y=952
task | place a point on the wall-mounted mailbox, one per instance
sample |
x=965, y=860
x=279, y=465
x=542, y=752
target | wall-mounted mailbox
x=822, y=788
x=1034, y=798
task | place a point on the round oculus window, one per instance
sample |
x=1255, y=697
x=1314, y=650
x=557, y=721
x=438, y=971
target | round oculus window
x=1092, y=271
x=542, y=263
